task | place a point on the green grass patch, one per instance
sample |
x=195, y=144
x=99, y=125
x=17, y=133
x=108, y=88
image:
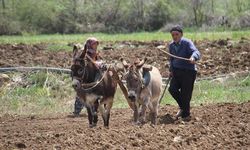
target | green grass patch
x=142, y=36
x=119, y=100
x=39, y=93
x=234, y=90
x=58, y=47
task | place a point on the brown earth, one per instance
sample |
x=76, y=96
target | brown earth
x=221, y=126
x=218, y=57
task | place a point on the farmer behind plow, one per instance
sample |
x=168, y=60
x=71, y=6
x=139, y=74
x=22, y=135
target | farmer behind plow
x=183, y=72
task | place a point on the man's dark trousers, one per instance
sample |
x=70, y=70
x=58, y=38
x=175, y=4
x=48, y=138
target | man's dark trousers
x=78, y=106
x=181, y=88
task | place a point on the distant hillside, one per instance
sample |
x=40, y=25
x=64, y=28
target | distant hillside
x=120, y=16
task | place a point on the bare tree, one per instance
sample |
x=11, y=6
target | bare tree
x=112, y=14
x=197, y=6
x=3, y=4
x=239, y=5
x=212, y=6
x=74, y=9
x=139, y=10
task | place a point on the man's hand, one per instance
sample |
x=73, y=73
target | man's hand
x=192, y=60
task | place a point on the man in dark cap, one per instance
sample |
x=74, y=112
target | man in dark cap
x=183, y=72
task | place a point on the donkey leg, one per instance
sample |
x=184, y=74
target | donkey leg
x=107, y=119
x=107, y=112
x=136, y=113
x=95, y=116
x=143, y=110
x=103, y=112
x=90, y=116
x=153, y=116
x=154, y=113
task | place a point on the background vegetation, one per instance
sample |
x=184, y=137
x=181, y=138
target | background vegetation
x=57, y=42
x=120, y=16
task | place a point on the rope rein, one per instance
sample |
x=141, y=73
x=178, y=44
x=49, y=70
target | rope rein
x=99, y=81
x=96, y=84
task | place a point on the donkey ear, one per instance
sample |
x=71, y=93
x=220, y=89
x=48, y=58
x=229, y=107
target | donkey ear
x=83, y=51
x=141, y=63
x=75, y=50
x=147, y=67
x=124, y=63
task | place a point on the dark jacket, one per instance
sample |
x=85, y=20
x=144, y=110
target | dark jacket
x=185, y=48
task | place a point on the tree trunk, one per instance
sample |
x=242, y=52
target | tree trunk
x=238, y=5
x=212, y=1
x=3, y=4
x=195, y=17
x=142, y=13
x=74, y=9
x=197, y=6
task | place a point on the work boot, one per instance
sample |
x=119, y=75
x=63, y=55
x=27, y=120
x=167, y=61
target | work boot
x=179, y=114
x=185, y=116
x=186, y=119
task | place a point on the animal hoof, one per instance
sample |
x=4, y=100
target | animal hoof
x=152, y=125
x=107, y=127
x=92, y=125
x=136, y=123
x=142, y=121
